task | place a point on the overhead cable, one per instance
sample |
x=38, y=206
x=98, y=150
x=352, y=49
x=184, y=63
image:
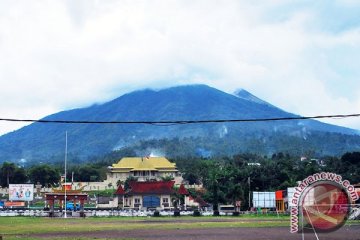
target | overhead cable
x=176, y=122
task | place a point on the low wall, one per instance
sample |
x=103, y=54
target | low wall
x=110, y=213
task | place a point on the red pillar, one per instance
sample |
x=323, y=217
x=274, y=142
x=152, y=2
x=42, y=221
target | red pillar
x=74, y=204
x=82, y=202
x=51, y=203
x=60, y=205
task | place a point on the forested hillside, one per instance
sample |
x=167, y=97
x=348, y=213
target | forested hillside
x=225, y=179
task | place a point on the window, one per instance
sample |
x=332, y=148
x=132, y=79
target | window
x=165, y=202
x=137, y=200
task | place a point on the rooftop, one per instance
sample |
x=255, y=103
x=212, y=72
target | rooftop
x=144, y=164
x=161, y=187
x=182, y=190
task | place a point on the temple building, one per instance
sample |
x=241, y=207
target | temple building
x=66, y=198
x=143, y=169
x=145, y=195
x=159, y=195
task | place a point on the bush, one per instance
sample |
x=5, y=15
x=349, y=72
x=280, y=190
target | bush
x=216, y=213
x=196, y=213
x=235, y=214
x=156, y=214
x=102, y=193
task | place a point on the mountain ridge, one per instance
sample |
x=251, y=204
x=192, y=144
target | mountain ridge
x=190, y=102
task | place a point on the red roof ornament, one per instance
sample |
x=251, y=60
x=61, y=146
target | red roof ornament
x=120, y=191
x=201, y=202
x=182, y=190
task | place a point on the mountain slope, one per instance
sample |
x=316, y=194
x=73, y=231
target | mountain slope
x=242, y=93
x=44, y=142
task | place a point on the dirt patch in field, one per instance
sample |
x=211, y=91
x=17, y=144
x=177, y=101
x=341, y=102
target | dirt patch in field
x=179, y=220
x=243, y=233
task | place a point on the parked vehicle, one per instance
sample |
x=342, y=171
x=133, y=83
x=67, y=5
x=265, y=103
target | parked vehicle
x=70, y=206
x=227, y=208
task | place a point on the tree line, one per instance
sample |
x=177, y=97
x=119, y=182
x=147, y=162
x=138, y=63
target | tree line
x=226, y=179
x=230, y=179
x=49, y=175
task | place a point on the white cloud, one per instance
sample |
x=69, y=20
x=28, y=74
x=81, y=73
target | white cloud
x=65, y=54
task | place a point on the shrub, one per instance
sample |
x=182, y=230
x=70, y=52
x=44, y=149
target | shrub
x=216, y=213
x=196, y=213
x=176, y=213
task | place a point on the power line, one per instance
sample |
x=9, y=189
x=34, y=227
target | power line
x=177, y=122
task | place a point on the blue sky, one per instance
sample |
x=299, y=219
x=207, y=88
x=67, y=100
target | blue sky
x=302, y=56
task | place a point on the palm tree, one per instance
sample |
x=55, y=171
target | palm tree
x=119, y=182
x=8, y=169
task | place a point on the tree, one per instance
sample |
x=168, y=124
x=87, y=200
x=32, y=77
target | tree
x=7, y=173
x=211, y=172
x=20, y=176
x=351, y=165
x=192, y=178
x=351, y=158
x=44, y=174
x=118, y=183
x=127, y=182
x=167, y=178
x=89, y=173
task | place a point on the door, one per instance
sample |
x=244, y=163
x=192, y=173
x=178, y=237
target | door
x=151, y=201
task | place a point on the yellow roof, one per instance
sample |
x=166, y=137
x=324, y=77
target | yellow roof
x=144, y=164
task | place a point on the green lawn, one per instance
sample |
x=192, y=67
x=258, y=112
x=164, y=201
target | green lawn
x=14, y=227
x=20, y=227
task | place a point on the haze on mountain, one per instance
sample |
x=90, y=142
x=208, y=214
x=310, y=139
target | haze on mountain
x=45, y=142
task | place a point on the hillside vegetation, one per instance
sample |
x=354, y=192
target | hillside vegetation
x=225, y=179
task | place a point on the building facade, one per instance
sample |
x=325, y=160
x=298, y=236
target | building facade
x=143, y=169
x=146, y=195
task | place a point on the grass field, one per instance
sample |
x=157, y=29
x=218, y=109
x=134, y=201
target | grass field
x=15, y=227
x=27, y=227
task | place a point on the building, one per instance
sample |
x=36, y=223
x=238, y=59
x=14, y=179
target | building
x=159, y=195
x=143, y=169
x=280, y=196
x=147, y=195
x=67, y=195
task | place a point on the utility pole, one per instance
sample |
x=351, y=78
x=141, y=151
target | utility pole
x=249, y=193
x=65, y=216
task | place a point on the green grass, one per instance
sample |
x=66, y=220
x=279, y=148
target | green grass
x=103, y=193
x=24, y=227
x=12, y=227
